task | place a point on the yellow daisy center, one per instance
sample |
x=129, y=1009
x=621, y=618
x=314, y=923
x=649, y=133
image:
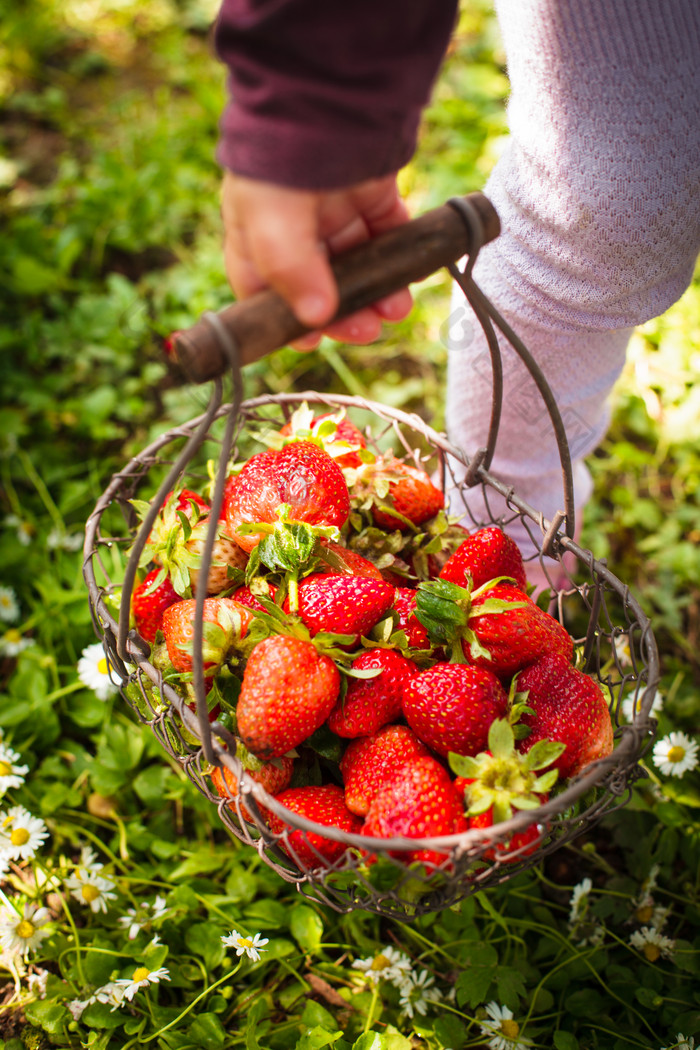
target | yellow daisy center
x=19, y=836
x=676, y=753
x=90, y=893
x=245, y=942
x=25, y=929
x=644, y=913
x=5, y=769
x=12, y=636
x=380, y=962
x=652, y=952
x=510, y=1028
x=103, y=666
x=140, y=974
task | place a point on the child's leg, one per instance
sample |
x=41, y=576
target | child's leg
x=597, y=192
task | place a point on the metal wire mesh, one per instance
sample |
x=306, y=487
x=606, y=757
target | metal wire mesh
x=605, y=619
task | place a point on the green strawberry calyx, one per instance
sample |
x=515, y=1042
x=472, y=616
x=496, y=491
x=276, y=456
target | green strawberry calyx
x=170, y=543
x=288, y=546
x=445, y=609
x=501, y=779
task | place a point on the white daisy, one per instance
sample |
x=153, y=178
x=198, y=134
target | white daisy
x=76, y=1007
x=683, y=1042
x=502, y=1030
x=12, y=643
x=579, y=900
x=59, y=539
x=112, y=993
x=11, y=772
x=95, y=672
x=141, y=978
x=25, y=529
x=389, y=965
x=36, y=983
x=417, y=993
x=675, y=754
x=632, y=705
x=9, y=606
x=135, y=919
x=19, y=934
x=621, y=645
x=87, y=887
x=21, y=834
x=250, y=946
x=652, y=943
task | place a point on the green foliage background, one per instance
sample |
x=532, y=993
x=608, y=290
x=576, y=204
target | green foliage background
x=110, y=239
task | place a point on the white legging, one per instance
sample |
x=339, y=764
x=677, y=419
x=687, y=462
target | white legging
x=598, y=195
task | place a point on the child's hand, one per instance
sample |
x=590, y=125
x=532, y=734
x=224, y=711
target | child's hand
x=280, y=237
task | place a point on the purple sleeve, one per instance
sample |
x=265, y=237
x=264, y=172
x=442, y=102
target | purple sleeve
x=327, y=93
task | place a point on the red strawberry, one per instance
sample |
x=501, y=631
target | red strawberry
x=496, y=627
x=405, y=606
x=483, y=556
x=420, y=801
x=569, y=707
x=149, y=601
x=273, y=776
x=225, y=624
x=288, y=692
x=396, y=485
x=370, y=703
x=371, y=760
x=514, y=638
x=251, y=599
x=451, y=706
x=324, y=805
x=301, y=476
x=176, y=543
x=341, y=604
x=339, y=559
x=522, y=844
x=337, y=434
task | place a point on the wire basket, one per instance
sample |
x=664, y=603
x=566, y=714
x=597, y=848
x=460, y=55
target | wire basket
x=598, y=609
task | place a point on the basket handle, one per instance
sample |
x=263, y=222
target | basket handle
x=372, y=270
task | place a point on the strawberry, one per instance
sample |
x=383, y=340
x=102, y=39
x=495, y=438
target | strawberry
x=274, y=777
x=405, y=606
x=451, y=706
x=370, y=760
x=225, y=624
x=569, y=707
x=338, y=559
x=324, y=805
x=177, y=539
x=499, y=781
x=522, y=844
x=334, y=432
x=288, y=692
x=150, y=600
x=388, y=484
x=341, y=604
x=496, y=627
x=251, y=599
x=483, y=556
x=370, y=703
x=301, y=477
x=419, y=801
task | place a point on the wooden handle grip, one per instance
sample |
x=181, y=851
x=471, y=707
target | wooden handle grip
x=372, y=270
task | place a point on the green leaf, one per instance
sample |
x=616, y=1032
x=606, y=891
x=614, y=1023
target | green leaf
x=48, y=1015
x=543, y=753
x=198, y=863
x=208, y=1032
x=464, y=765
x=306, y=927
x=315, y=1015
x=501, y=739
x=511, y=986
x=152, y=783
x=315, y=1038
x=449, y=1030
x=565, y=1040
x=480, y=962
x=204, y=939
